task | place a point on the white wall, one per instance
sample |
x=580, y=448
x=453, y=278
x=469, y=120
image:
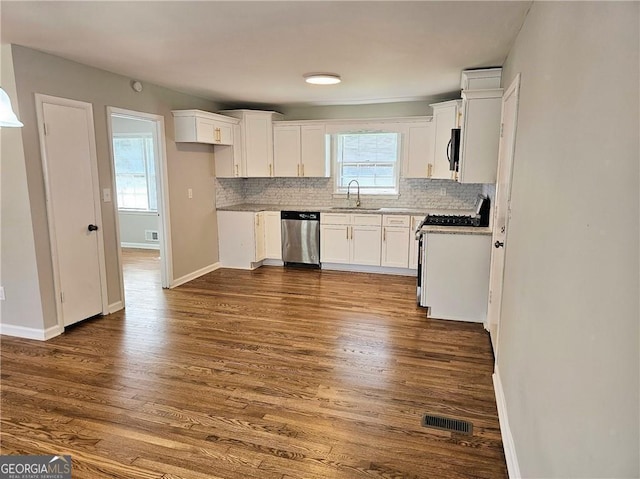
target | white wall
x=568, y=353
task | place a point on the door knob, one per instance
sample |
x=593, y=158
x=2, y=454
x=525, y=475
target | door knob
x=92, y=228
x=498, y=244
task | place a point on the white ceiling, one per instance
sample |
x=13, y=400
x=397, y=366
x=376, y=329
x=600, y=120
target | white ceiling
x=258, y=52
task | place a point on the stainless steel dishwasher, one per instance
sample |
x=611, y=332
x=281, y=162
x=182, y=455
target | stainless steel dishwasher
x=300, y=238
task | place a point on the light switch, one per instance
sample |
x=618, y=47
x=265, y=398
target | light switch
x=190, y=193
x=106, y=195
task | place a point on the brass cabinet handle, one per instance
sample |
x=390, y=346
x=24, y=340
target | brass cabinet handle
x=236, y=165
x=347, y=232
x=302, y=169
x=429, y=170
x=218, y=135
x=298, y=169
x=384, y=234
x=270, y=169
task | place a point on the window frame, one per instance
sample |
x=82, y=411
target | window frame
x=363, y=128
x=149, y=145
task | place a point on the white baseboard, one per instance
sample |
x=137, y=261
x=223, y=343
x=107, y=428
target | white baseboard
x=140, y=245
x=30, y=333
x=507, y=439
x=196, y=274
x=117, y=306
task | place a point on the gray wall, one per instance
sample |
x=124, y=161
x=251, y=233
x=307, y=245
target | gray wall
x=18, y=269
x=568, y=345
x=189, y=166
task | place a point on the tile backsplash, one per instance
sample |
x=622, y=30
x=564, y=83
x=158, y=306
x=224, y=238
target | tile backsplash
x=318, y=192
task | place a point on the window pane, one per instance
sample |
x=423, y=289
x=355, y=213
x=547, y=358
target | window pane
x=369, y=158
x=135, y=173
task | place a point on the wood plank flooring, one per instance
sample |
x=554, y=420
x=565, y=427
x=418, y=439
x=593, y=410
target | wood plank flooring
x=267, y=374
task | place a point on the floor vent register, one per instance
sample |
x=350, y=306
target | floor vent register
x=447, y=424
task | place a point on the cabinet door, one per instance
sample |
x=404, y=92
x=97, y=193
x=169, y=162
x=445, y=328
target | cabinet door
x=366, y=245
x=395, y=247
x=258, y=144
x=419, y=161
x=205, y=130
x=272, y=235
x=445, y=118
x=334, y=243
x=260, y=251
x=286, y=150
x=228, y=158
x=313, y=151
x=480, y=136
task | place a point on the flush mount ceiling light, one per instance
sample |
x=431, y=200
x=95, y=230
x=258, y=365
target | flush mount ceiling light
x=322, y=78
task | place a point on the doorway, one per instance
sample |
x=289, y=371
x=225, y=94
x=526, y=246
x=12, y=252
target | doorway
x=139, y=169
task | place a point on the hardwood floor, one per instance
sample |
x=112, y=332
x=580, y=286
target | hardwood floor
x=274, y=373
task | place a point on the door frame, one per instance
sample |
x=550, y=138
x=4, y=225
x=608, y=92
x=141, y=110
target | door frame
x=162, y=191
x=40, y=99
x=512, y=90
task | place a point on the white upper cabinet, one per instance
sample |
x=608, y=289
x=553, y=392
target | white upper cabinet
x=445, y=117
x=299, y=150
x=480, y=136
x=256, y=140
x=419, y=150
x=197, y=126
x=481, y=79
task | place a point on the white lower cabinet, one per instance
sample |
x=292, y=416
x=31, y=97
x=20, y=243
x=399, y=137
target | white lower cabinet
x=246, y=238
x=395, y=241
x=350, y=238
x=455, y=276
x=272, y=235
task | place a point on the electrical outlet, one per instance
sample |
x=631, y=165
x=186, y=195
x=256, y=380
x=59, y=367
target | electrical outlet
x=190, y=193
x=443, y=192
x=106, y=195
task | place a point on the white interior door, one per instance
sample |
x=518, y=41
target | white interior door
x=501, y=207
x=73, y=208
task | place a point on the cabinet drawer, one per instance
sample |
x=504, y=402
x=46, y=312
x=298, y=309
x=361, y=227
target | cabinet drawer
x=366, y=220
x=396, y=220
x=335, y=218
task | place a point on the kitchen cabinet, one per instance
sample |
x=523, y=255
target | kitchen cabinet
x=481, y=79
x=228, y=159
x=299, y=150
x=395, y=241
x=480, y=135
x=259, y=239
x=419, y=162
x=350, y=238
x=197, y=126
x=272, y=235
x=455, y=276
x=256, y=141
x=446, y=116
x=246, y=238
x=413, y=244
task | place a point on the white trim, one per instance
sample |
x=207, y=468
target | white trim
x=162, y=179
x=196, y=274
x=126, y=244
x=357, y=268
x=31, y=333
x=40, y=99
x=508, y=444
x=117, y=306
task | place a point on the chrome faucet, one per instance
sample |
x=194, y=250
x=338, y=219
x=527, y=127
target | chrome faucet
x=349, y=186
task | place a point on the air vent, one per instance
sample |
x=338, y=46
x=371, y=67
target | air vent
x=150, y=235
x=447, y=424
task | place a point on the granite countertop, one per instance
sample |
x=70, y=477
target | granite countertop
x=466, y=230
x=253, y=207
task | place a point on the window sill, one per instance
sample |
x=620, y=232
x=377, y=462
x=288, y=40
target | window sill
x=138, y=212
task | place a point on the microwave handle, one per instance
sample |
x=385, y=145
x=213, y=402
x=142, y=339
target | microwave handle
x=448, y=151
